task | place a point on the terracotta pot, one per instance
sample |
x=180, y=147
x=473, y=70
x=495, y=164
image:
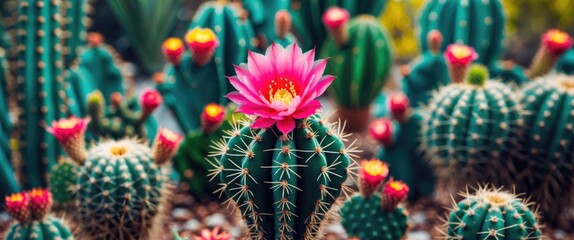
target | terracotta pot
x=357, y=119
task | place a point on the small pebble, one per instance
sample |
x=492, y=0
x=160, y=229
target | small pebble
x=418, y=235
x=180, y=213
x=418, y=218
x=559, y=234
x=214, y=220
x=192, y=225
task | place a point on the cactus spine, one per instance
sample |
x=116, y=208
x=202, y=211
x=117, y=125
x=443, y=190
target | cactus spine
x=492, y=214
x=30, y=210
x=117, y=180
x=477, y=23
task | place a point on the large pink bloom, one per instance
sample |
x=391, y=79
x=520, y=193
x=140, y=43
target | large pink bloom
x=280, y=86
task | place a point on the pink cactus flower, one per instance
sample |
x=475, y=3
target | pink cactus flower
x=460, y=55
x=213, y=114
x=68, y=128
x=556, y=41
x=280, y=86
x=394, y=192
x=373, y=172
x=201, y=40
x=151, y=99
x=398, y=104
x=335, y=17
x=382, y=131
x=168, y=139
x=18, y=206
x=214, y=234
x=40, y=202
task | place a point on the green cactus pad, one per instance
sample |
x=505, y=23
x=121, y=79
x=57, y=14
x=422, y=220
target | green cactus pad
x=476, y=23
x=48, y=229
x=63, y=178
x=367, y=220
x=469, y=130
x=304, y=170
x=492, y=215
x=119, y=181
x=361, y=66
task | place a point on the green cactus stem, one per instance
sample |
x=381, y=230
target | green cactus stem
x=491, y=214
x=262, y=17
x=477, y=23
x=566, y=63
x=75, y=27
x=6, y=170
x=305, y=171
x=42, y=93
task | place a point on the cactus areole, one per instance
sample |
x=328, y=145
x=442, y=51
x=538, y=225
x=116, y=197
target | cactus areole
x=288, y=148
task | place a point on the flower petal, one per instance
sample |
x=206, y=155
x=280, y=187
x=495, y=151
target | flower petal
x=286, y=125
x=263, y=122
x=308, y=110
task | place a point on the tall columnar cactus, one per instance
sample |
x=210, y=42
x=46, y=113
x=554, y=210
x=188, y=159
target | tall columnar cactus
x=193, y=79
x=6, y=171
x=361, y=52
x=374, y=215
x=566, y=63
x=471, y=125
x=477, y=23
x=30, y=210
x=308, y=23
x=262, y=17
x=192, y=160
x=427, y=73
x=117, y=180
x=120, y=119
x=234, y=31
x=42, y=93
x=285, y=170
x=77, y=22
x=546, y=172
x=402, y=146
x=492, y=214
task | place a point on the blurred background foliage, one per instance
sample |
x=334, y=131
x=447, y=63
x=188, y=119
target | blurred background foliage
x=400, y=18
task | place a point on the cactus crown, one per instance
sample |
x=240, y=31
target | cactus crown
x=477, y=75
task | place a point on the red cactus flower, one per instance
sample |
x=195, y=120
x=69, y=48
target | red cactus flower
x=398, y=104
x=460, y=55
x=173, y=49
x=18, y=206
x=372, y=174
x=213, y=114
x=68, y=128
x=382, y=131
x=201, y=40
x=280, y=86
x=40, y=202
x=393, y=193
x=150, y=99
x=335, y=17
x=556, y=41
x=166, y=144
x=214, y=234
x=95, y=39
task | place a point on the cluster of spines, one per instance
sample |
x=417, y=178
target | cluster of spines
x=241, y=182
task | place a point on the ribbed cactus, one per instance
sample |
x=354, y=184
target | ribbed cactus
x=30, y=210
x=63, y=178
x=117, y=180
x=471, y=124
x=361, y=53
x=192, y=159
x=308, y=23
x=427, y=73
x=193, y=79
x=234, y=31
x=374, y=215
x=566, y=63
x=6, y=171
x=285, y=170
x=42, y=93
x=262, y=17
x=401, y=146
x=491, y=214
x=477, y=23
x=121, y=118
x=75, y=27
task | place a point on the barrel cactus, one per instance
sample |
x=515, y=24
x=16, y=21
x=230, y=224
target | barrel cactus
x=287, y=148
x=125, y=175
x=401, y=146
x=546, y=173
x=30, y=210
x=477, y=23
x=471, y=125
x=492, y=214
x=361, y=52
x=194, y=78
x=374, y=215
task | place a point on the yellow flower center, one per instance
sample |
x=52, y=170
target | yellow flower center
x=118, y=151
x=173, y=44
x=460, y=51
x=558, y=37
x=169, y=135
x=200, y=35
x=213, y=110
x=397, y=186
x=375, y=168
x=16, y=198
x=67, y=123
x=36, y=192
x=285, y=91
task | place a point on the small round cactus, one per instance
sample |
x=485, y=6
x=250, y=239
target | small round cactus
x=491, y=214
x=30, y=209
x=117, y=180
x=373, y=215
x=62, y=181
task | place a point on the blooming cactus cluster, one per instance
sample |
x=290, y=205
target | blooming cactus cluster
x=284, y=170
x=375, y=213
x=31, y=209
x=111, y=167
